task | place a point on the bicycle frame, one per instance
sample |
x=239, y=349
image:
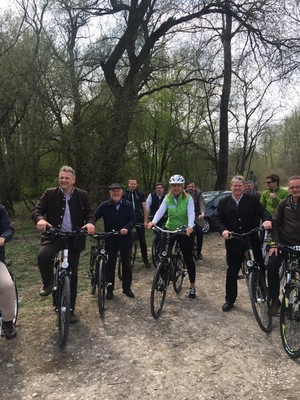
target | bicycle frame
x=98, y=267
x=61, y=290
x=290, y=307
x=255, y=281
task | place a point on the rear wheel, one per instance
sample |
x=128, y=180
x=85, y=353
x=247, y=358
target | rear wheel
x=179, y=272
x=290, y=321
x=16, y=303
x=119, y=263
x=259, y=300
x=101, y=288
x=64, y=310
x=159, y=287
x=92, y=271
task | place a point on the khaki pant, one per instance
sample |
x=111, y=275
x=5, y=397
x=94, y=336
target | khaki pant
x=7, y=294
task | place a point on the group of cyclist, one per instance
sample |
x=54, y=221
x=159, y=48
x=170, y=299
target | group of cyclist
x=66, y=207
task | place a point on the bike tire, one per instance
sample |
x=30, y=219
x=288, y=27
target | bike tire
x=179, y=272
x=92, y=272
x=64, y=304
x=101, y=288
x=159, y=287
x=16, y=303
x=259, y=301
x=290, y=321
x=133, y=254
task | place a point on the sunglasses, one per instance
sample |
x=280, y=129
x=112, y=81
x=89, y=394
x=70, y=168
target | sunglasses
x=268, y=182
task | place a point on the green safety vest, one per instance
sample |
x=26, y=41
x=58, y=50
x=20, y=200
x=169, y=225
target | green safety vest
x=177, y=211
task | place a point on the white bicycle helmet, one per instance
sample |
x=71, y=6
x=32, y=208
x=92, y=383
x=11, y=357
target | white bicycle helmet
x=176, y=179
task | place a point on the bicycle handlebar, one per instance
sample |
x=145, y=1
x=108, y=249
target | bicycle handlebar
x=178, y=230
x=104, y=235
x=51, y=231
x=241, y=235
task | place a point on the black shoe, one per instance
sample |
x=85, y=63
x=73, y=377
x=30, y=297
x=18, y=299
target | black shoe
x=227, y=306
x=199, y=256
x=128, y=293
x=9, y=330
x=73, y=318
x=46, y=290
x=192, y=294
x=109, y=295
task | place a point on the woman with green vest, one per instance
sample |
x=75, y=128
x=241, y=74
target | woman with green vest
x=180, y=210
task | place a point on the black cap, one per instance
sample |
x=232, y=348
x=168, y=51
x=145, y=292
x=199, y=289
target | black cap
x=115, y=186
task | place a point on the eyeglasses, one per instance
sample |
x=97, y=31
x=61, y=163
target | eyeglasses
x=268, y=182
x=294, y=187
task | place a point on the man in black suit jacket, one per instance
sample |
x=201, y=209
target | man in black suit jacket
x=239, y=213
x=118, y=214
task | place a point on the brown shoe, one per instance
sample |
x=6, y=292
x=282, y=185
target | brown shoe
x=276, y=303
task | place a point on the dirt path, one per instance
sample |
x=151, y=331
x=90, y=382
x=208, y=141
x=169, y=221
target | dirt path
x=194, y=351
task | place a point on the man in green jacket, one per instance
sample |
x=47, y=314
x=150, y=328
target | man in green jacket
x=271, y=197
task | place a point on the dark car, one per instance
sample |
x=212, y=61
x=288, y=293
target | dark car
x=211, y=209
x=207, y=196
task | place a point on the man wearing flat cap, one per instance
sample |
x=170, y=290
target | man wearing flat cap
x=118, y=214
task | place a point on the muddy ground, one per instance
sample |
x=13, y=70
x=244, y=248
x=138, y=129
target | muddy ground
x=194, y=351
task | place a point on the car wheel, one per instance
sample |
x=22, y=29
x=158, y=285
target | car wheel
x=207, y=226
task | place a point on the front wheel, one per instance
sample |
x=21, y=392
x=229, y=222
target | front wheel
x=159, y=287
x=155, y=251
x=179, y=272
x=259, y=300
x=64, y=310
x=101, y=288
x=290, y=321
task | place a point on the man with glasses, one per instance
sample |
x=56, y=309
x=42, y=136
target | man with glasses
x=286, y=230
x=271, y=197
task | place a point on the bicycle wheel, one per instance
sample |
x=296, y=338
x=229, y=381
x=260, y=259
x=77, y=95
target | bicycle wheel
x=290, y=321
x=179, y=272
x=16, y=303
x=282, y=269
x=159, y=287
x=259, y=300
x=133, y=254
x=64, y=310
x=119, y=262
x=92, y=271
x=101, y=288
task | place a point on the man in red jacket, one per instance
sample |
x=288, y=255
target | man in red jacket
x=66, y=208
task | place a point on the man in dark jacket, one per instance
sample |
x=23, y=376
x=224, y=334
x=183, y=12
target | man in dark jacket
x=7, y=286
x=286, y=230
x=66, y=208
x=138, y=200
x=118, y=215
x=239, y=213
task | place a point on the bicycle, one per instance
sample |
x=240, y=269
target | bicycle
x=255, y=282
x=171, y=267
x=8, y=264
x=61, y=291
x=290, y=306
x=98, y=267
x=134, y=247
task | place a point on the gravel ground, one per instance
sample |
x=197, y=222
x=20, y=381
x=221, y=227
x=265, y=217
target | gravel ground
x=193, y=350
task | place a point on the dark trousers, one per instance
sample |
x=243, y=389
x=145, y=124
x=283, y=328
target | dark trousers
x=126, y=268
x=45, y=262
x=140, y=231
x=234, y=256
x=199, y=237
x=273, y=273
x=186, y=244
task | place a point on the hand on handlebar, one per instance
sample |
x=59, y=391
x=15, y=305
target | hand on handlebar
x=90, y=228
x=150, y=225
x=226, y=234
x=42, y=225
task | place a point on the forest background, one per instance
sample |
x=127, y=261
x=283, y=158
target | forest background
x=146, y=88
